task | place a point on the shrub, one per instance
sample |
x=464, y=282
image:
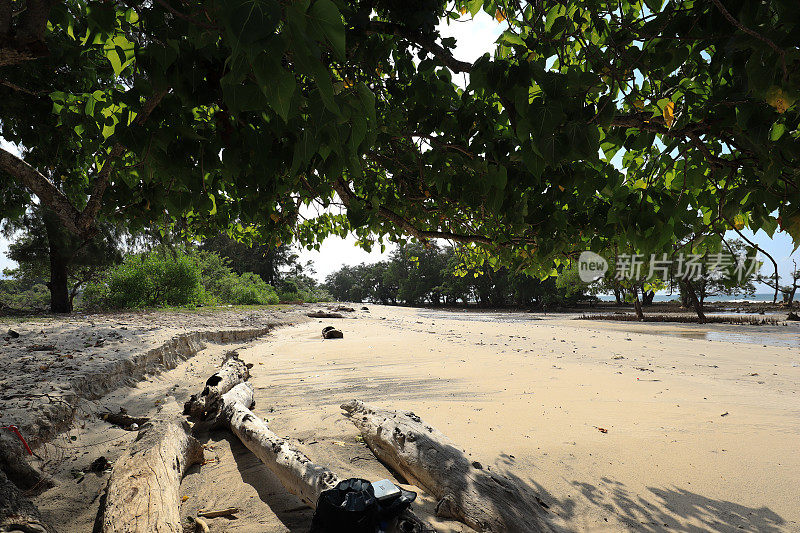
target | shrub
x=19, y=295
x=154, y=279
x=185, y=278
x=247, y=289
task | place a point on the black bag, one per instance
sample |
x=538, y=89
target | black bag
x=351, y=507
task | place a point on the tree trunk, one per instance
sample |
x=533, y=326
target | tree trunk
x=232, y=372
x=692, y=295
x=648, y=297
x=296, y=472
x=466, y=491
x=17, y=513
x=13, y=463
x=143, y=492
x=60, y=302
x=618, y=296
x=637, y=305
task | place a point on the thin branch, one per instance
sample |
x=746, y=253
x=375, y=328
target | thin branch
x=187, y=18
x=86, y=219
x=434, y=48
x=344, y=192
x=20, y=89
x=748, y=31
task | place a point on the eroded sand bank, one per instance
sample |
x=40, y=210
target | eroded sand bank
x=524, y=397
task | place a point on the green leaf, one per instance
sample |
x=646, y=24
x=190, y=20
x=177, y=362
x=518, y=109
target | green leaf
x=653, y=5
x=776, y=131
x=249, y=21
x=326, y=18
x=474, y=6
x=277, y=83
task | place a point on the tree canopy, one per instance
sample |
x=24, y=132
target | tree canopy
x=650, y=124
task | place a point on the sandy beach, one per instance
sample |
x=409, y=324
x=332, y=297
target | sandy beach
x=613, y=426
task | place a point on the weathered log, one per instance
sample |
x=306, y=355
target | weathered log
x=324, y=314
x=466, y=491
x=232, y=372
x=17, y=513
x=298, y=474
x=143, y=491
x=123, y=419
x=16, y=467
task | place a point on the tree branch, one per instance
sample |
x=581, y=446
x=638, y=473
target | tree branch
x=422, y=42
x=20, y=89
x=643, y=122
x=187, y=18
x=42, y=187
x=344, y=192
x=86, y=219
x=748, y=31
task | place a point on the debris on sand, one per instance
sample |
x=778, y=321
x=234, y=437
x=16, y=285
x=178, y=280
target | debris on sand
x=323, y=314
x=330, y=332
x=121, y=419
x=230, y=511
x=41, y=347
x=100, y=464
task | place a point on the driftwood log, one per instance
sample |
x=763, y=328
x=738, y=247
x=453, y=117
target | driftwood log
x=232, y=372
x=466, y=491
x=123, y=419
x=13, y=462
x=324, y=314
x=298, y=474
x=17, y=513
x=143, y=492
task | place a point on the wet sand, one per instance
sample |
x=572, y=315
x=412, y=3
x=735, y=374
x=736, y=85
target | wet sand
x=701, y=434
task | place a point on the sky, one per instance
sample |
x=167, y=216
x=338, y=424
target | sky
x=473, y=38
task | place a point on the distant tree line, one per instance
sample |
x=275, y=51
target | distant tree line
x=119, y=269
x=427, y=274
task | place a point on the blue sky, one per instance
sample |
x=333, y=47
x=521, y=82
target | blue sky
x=474, y=38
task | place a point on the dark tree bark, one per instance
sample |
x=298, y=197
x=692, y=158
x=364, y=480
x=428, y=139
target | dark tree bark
x=692, y=297
x=60, y=301
x=5, y=19
x=17, y=513
x=637, y=305
x=648, y=297
x=618, y=295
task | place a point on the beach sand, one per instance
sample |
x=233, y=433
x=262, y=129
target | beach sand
x=699, y=434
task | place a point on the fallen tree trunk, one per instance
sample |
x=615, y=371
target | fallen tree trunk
x=466, y=492
x=143, y=490
x=16, y=467
x=298, y=474
x=232, y=372
x=17, y=513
